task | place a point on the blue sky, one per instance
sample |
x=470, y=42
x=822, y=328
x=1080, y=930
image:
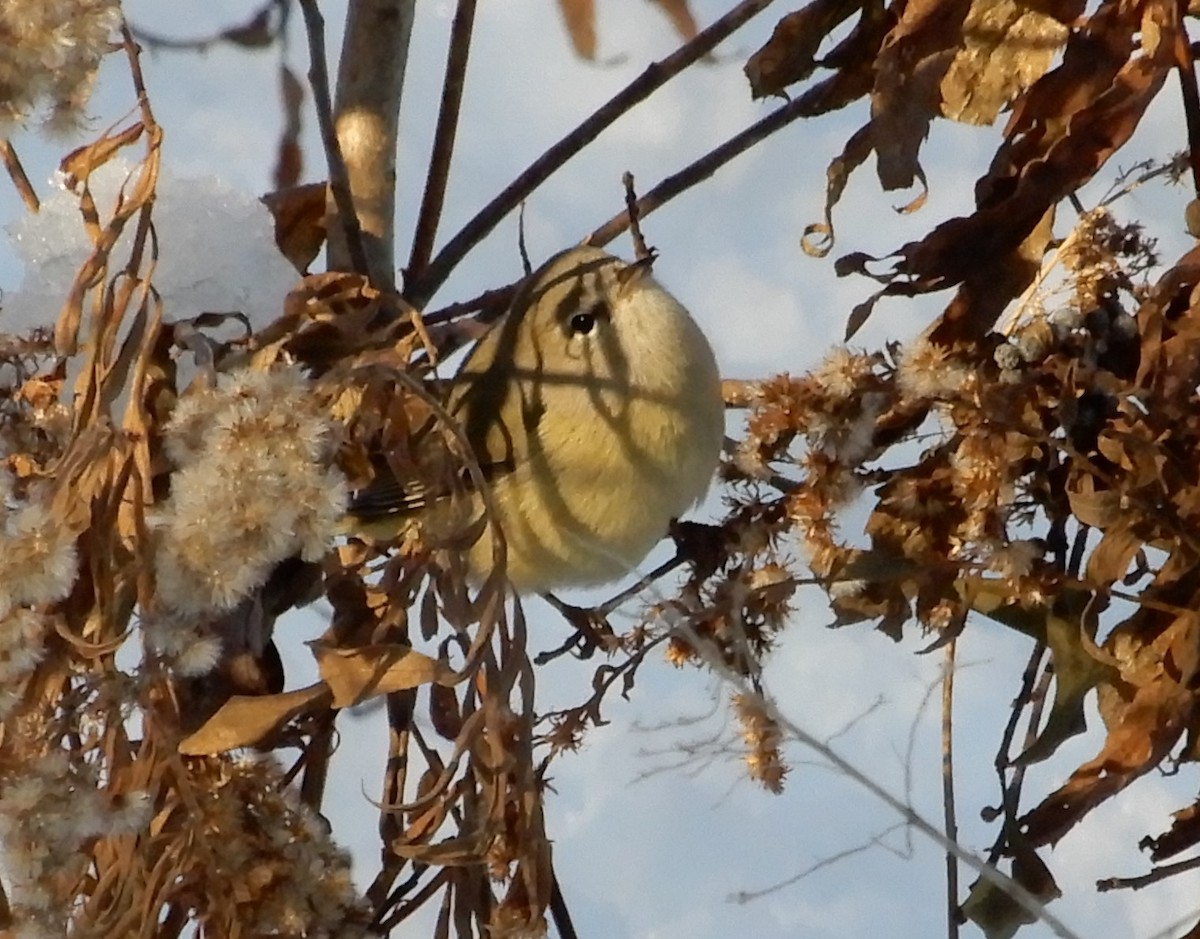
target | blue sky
x=643, y=851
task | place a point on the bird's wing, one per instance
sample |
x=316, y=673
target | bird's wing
x=414, y=489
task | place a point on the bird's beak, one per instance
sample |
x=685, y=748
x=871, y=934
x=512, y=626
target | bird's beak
x=631, y=274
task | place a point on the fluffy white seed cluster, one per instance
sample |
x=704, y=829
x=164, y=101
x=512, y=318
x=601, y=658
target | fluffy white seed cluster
x=48, y=812
x=49, y=52
x=926, y=370
x=38, y=563
x=253, y=486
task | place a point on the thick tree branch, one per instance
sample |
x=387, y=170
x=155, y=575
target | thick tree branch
x=370, y=82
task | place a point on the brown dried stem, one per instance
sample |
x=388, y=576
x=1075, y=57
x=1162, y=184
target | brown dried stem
x=16, y=173
x=654, y=77
x=640, y=250
x=948, y=811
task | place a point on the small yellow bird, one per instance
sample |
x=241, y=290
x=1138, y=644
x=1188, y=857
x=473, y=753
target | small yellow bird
x=594, y=409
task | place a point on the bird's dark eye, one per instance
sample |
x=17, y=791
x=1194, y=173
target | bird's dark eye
x=581, y=324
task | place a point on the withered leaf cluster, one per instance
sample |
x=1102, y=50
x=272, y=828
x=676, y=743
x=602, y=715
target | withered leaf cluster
x=1034, y=474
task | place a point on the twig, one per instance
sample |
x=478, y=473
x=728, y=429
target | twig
x=1162, y=872
x=587, y=638
x=602, y=681
x=1019, y=893
x=640, y=250
x=339, y=178
x=1078, y=547
x=642, y=583
x=253, y=33
x=401, y=912
x=395, y=777
x=316, y=760
x=16, y=173
x=1174, y=168
x=559, y=910
x=591, y=632
x=702, y=168
x=953, y=915
x=1008, y=324
x=746, y=896
x=490, y=304
x=434, y=198
x=521, y=247
x=1010, y=791
x=654, y=77
x=1191, y=101
x=133, y=54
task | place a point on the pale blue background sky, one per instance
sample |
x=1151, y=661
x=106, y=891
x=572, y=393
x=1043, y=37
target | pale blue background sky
x=641, y=853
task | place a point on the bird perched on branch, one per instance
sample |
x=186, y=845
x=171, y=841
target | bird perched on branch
x=594, y=410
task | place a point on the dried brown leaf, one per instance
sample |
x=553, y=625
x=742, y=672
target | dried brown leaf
x=289, y=161
x=1079, y=667
x=837, y=174
x=355, y=674
x=1144, y=722
x=1064, y=129
x=1006, y=47
x=1079, y=664
x=1098, y=86
x=989, y=287
x=299, y=214
x=451, y=852
x=680, y=15
x=1097, y=508
x=444, y=712
x=83, y=161
x=1184, y=833
x=907, y=95
x=789, y=56
x=990, y=907
x=579, y=16
x=1110, y=559
x=244, y=721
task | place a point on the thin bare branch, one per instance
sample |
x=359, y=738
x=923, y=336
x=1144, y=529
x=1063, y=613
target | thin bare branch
x=875, y=841
x=263, y=27
x=950, y=817
x=699, y=170
x=654, y=77
x=1162, y=872
x=910, y=816
x=1186, y=69
x=339, y=179
x=560, y=912
x=430, y=213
